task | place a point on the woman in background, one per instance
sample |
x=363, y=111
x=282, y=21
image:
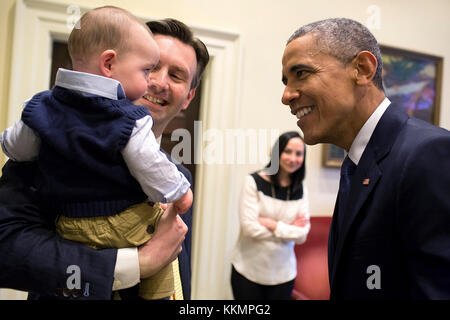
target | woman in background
x=274, y=216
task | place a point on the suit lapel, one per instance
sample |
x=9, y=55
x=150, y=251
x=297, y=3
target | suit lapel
x=364, y=181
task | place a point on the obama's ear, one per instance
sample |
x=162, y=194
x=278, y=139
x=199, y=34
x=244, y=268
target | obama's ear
x=365, y=64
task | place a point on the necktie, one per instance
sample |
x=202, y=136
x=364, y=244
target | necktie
x=347, y=170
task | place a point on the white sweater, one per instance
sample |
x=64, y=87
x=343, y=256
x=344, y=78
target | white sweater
x=260, y=255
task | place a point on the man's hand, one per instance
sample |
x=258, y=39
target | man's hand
x=164, y=246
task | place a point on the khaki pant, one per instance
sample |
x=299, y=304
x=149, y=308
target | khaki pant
x=129, y=228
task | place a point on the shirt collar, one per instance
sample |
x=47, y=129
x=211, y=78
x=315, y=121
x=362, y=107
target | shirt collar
x=88, y=83
x=362, y=138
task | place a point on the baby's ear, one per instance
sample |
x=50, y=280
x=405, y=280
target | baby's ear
x=106, y=60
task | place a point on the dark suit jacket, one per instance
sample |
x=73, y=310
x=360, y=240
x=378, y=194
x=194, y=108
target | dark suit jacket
x=34, y=258
x=399, y=219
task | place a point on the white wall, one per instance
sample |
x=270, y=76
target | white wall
x=263, y=27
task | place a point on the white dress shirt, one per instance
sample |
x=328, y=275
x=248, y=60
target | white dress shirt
x=362, y=138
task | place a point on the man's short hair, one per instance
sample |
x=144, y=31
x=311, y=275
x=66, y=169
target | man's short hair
x=343, y=39
x=101, y=29
x=180, y=31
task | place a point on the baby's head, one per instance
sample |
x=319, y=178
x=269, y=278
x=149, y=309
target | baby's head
x=113, y=43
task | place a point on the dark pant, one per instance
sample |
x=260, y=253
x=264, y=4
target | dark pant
x=244, y=289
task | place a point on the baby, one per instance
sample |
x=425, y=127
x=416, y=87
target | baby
x=99, y=162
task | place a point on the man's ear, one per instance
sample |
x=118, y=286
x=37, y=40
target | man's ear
x=365, y=64
x=190, y=96
x=106, y=61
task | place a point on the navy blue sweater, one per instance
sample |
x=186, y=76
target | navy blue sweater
x=81, y=169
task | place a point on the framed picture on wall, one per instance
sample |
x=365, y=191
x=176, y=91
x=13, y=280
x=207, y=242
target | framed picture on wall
x=332, y=155
x=411, y=80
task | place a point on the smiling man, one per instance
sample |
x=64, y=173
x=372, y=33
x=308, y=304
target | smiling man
x=177, y=75
x=170, y=91
x=390, y=231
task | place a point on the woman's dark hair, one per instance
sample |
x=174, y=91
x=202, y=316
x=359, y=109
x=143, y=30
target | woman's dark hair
x=279, y=146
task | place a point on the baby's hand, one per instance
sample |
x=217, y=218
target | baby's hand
x=184, y=203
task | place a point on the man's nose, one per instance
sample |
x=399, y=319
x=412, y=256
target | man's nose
x=158, y=80
x=289, y=94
